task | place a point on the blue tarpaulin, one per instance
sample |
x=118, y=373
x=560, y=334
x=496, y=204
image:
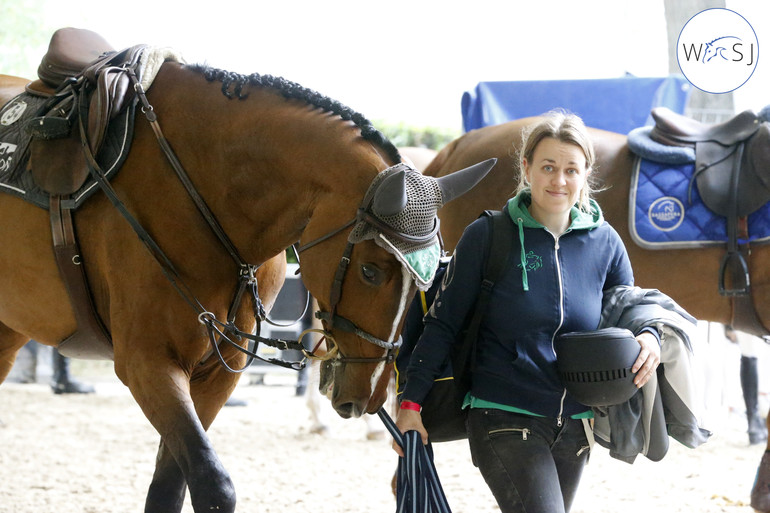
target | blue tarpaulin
x=616, y=104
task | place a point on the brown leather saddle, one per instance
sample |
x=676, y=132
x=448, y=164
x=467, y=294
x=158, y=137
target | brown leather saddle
x=87, y=85
x=81, y=74
x=731, y=160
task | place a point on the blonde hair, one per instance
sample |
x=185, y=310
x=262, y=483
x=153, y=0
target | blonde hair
x=567, y=128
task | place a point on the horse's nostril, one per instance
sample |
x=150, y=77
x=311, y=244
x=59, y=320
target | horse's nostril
x=348, y=410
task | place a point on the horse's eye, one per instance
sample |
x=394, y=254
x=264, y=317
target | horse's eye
x=371, y=274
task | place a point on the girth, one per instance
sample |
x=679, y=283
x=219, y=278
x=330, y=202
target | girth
x=91, y=339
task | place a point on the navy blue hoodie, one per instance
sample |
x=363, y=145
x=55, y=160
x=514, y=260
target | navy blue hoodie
x=553, y=285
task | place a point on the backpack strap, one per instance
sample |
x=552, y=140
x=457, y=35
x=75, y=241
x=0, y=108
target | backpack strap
x=501, y=234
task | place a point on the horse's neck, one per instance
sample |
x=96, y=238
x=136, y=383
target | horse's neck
x=267, y=166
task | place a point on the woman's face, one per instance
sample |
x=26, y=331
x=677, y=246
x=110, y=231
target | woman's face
x=556, y=174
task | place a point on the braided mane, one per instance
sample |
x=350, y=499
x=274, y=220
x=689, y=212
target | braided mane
x=232, y=87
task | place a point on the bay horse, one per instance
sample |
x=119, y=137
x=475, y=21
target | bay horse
x=690, y=276
x=277, y=164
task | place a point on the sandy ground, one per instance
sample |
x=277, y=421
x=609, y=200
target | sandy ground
x=95, y=453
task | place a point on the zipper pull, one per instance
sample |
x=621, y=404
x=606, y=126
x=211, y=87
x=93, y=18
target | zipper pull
x=559, y=421
x=524, y=433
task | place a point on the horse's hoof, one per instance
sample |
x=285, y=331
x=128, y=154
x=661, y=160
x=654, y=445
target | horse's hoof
x=760, y=493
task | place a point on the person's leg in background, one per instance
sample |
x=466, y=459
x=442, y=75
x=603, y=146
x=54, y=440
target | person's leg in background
x=750, y=350
x=63, y=382
x=26, y=362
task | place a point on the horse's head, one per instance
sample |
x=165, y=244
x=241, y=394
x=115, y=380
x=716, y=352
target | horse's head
x=363, y=272
x=714, y=49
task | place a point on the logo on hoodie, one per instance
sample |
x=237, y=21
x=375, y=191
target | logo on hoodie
x=534, y=262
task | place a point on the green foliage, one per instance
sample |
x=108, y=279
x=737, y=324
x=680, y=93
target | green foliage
x=24, y=37
x=402, y=135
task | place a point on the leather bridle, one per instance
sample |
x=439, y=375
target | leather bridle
x=334, y=320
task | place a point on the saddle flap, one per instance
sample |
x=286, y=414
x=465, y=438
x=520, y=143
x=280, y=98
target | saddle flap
x=716, y=164
x=58, y=165
x=69, y=52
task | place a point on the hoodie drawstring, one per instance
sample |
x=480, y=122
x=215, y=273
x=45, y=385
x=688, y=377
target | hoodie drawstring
x=524, y=280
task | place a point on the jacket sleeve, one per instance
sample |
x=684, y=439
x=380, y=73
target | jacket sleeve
x=619, y=271
x=453, y=304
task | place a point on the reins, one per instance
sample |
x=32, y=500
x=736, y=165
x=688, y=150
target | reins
x=227, y=331
x=218, y=331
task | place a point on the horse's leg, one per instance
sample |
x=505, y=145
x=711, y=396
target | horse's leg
x=163, y=391
x=10, y=343
x=168, y=486
x=760, y=493
x=208, y=393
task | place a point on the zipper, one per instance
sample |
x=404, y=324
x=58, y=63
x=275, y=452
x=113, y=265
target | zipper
x=524, y=432
x=582, y=450
x=559, y=418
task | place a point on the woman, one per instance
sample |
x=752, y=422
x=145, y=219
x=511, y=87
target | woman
x=526, y=434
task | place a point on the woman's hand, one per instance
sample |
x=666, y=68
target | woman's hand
x=409, y=420
x=648, y=360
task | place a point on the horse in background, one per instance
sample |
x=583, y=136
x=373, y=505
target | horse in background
x=688, y=275
x=276, y=164
x=419, y=157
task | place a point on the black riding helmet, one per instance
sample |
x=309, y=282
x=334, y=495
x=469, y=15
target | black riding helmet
x=595, y=366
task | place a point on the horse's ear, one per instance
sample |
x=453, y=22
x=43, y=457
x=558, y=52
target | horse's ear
x=390, y=198
x=458, y=183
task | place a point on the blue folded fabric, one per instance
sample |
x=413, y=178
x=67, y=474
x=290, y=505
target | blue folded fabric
x=418, y=489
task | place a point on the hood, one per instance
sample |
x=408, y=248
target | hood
x=518, y=208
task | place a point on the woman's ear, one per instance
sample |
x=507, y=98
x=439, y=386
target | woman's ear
x=525, y=166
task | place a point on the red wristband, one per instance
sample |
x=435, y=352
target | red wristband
x=410, y=405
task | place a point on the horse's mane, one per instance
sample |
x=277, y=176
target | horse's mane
x=232, y=86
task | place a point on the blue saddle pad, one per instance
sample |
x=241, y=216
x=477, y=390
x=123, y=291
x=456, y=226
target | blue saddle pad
x=663, y=216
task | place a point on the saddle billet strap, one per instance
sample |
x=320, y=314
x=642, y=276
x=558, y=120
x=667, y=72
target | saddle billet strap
x=92, y=338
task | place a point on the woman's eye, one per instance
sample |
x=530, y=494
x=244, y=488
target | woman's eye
x=548, y=168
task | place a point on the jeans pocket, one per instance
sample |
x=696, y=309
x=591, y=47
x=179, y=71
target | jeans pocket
x=522, y=432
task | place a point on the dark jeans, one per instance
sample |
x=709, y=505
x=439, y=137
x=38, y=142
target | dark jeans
x=530, y=464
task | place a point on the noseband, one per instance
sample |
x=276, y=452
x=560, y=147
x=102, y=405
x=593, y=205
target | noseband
x=331, y=318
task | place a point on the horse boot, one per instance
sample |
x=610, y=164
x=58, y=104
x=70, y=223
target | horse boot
x=62, y=382
x=750, y=385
